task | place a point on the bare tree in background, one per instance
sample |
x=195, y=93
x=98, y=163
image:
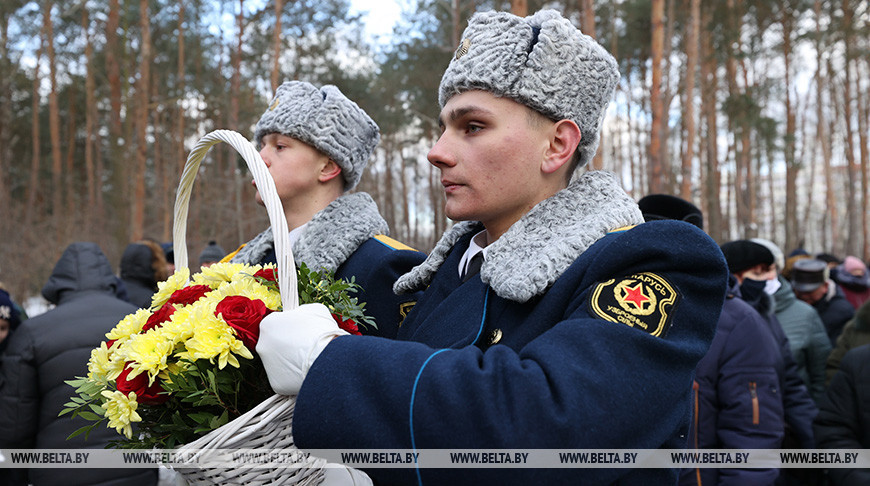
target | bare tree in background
x=691, y=48
x=137, y=229
x=656, y=168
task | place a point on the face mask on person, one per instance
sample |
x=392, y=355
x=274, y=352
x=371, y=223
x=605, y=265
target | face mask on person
x=751, y=290
x=771, y=286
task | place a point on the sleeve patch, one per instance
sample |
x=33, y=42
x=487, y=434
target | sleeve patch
x=644, y=301
x=391, y=243
x=405, y=309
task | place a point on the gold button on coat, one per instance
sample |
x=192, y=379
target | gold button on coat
x=495, y=336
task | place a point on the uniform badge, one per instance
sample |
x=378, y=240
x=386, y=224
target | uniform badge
x=644, y=301
x=405, y=309
x=463, y=48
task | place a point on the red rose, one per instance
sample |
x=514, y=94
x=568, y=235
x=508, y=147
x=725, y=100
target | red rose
x=159, y=317
x=243, y=315
x=188, y=295
x=270, y=274
x=347, y=324
x=146, y=395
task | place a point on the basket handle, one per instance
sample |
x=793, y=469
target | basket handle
x=265, y=185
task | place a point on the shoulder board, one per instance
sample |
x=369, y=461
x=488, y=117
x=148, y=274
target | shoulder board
x=620, y=230
x=391, y=243
x=232, y=255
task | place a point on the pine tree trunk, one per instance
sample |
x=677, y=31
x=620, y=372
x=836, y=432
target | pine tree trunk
x=689, y=104
x=54, y=124
x=180, y=118
x=232, y=176
x=33, y=184
x=5, y=132
x=792, y=227
x=276, y=46
x=520, y=7
x=852, y=243
x=656, y=170
x=137, y=229
x=90, y=122
x=822, y=138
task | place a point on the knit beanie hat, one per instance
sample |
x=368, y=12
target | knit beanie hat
x=211, y=253
x=778, y=257
x=8, y=310
x=541, y=61
x=854, y=266
x=744, y=254
x=325, y=119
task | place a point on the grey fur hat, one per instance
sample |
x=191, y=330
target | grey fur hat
x=325, y=119
x=541, y=61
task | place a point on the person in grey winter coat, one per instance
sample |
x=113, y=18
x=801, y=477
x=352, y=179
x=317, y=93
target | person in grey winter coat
x=51, y=348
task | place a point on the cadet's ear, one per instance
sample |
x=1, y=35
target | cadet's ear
x=564, y=139
x=329, y=171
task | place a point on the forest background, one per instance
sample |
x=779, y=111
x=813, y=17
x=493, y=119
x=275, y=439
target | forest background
x=757, y=111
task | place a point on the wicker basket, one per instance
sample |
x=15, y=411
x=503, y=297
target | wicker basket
x=268, y=425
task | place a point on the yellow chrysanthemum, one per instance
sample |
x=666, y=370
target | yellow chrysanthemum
x=179, y=327
x=249, y=288
x=165, y=289
x=129, y=325
x=213, y=338
x=104, y=363
x=219, y=273
x=147, y=353
x=121, y=411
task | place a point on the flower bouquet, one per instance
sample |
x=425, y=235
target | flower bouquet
x=185, y=372
x=187, y=366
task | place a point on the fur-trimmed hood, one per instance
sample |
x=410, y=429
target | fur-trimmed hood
x=533, y=253
x=332, y=235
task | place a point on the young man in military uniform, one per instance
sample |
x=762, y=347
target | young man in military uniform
x=582, y=328
x=316, y=144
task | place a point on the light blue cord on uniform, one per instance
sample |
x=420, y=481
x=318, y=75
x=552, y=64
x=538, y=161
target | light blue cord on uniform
x=417, y=381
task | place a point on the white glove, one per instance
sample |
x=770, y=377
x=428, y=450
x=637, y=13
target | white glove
x=290, y=341
x=335, y=475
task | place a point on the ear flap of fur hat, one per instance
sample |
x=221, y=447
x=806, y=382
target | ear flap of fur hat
x=541, y=61
x=325, y=119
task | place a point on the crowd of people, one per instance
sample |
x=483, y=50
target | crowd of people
x=766, y=382
x=557, y=313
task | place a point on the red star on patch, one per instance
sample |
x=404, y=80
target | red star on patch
x=635, y=295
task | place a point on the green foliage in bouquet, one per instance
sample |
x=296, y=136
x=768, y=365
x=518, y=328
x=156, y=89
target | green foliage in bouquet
x=185, y=366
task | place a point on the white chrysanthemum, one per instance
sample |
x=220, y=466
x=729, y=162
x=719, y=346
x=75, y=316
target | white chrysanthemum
x=165, y=289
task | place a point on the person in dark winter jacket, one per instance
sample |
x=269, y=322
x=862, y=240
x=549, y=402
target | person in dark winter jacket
x=753, y=266
x=143, y=264
x=737, y=404
x=811, y=283
x=855, y=333
x=54, y=347
x=844, y=415
x=10, y=318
